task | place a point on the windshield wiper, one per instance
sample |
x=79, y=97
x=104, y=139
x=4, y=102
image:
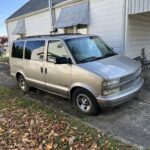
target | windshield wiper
x=93, y=58
x=109, y=55
x=88, y=59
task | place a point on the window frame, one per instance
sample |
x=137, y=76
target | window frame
x=66, y=48
x=80, y=27
x=24, y=42
x=76, y=28
x=34, y=41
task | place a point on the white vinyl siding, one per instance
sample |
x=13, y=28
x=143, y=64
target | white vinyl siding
x=11, y=27
x=107, y=18
x=138, y=6
x=38, y=24
x=35, y=25
x=138, y=35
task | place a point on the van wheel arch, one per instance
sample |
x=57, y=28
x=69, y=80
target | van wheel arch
x=78, y=87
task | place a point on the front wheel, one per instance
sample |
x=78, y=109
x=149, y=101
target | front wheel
x=23, y=84
x=85, y=102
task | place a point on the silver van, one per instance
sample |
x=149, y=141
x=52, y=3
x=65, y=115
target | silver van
x=81, y=68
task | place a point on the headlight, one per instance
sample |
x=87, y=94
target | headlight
x=111, y=82
x=110, y=92
x=108, y=88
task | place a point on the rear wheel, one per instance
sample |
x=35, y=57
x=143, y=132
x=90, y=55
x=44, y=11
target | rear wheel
x=85, y=102
x=23, y=84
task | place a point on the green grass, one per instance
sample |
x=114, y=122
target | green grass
x=15, y=103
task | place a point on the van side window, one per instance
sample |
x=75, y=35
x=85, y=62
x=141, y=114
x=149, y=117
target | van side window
x=56, y=49
x=34, y=50
x=17, y=50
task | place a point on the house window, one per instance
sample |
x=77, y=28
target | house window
x=69, y=30
x=83, y=29
x=34, y=50
x=17, y=50
x=22, y=35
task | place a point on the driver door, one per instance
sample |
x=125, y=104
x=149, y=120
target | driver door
x=57, y=76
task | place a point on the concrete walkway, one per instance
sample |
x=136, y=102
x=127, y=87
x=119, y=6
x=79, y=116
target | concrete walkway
x=130, y=122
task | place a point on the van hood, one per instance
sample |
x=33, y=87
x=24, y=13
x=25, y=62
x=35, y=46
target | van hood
x=112, y=67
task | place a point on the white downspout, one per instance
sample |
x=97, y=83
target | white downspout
x=125, y=17
x=50, y=3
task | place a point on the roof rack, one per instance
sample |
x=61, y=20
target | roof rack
x=48, y=35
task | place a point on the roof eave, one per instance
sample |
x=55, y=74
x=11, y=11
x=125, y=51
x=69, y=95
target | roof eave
x=62, y=4
x=26, y=15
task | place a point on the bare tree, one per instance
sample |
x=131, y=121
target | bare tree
x=3, y=40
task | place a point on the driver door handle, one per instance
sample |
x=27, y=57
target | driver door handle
x=41, y=69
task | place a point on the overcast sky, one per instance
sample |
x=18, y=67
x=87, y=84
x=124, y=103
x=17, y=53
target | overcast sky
x=7, y=7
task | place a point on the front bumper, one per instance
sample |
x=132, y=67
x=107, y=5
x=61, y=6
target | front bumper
x=122, y=97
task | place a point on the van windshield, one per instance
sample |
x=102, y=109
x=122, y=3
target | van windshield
x=86, y=49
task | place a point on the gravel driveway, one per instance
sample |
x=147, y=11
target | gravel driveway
x=130, y=122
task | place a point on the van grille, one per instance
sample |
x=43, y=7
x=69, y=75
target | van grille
x=128, y=81
x=131, y=76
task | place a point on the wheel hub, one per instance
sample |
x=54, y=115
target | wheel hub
x=84, y=102
x=22, y=84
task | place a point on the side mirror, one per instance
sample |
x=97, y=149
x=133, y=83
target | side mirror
x=62, y=60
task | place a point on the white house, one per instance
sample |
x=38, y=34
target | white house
x=123, y=24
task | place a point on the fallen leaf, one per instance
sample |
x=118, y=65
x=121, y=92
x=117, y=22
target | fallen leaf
x=94, y=146
x=25, y=140
x=31, y=122
x=49, y=146
x=2, y=130
x=71, y=140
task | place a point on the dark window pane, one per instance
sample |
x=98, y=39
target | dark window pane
x=34, y=50
x=17, y=50
x=56, y=49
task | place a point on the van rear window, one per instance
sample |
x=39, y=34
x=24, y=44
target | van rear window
x=34, y=50
x=17, y=50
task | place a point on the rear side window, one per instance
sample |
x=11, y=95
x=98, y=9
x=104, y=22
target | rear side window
x=17, y=50
x=34, y=50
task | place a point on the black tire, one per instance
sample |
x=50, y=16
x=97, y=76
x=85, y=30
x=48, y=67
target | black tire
x=23, y=84
x=80, y=94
